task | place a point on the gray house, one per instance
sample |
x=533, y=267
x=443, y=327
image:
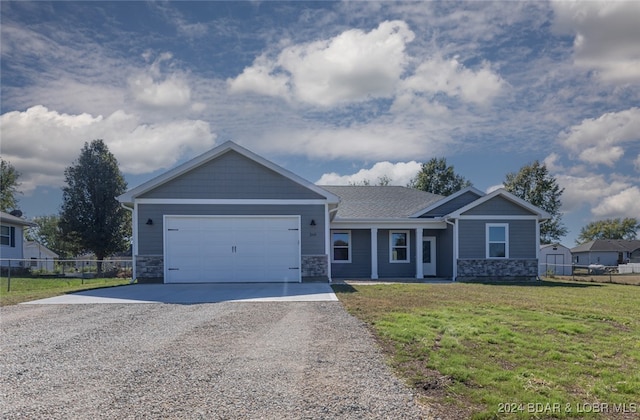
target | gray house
x=608, y=252
x=230, y=215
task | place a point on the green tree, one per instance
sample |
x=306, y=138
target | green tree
x=438, y=178
x=383, y=180
x=8, y=186
x=90, y=212
x=48, y=233
x=534, y=184
x=626, y=228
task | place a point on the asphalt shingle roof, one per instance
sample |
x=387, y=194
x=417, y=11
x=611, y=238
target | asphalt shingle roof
x=380, y=202
x=617, y=245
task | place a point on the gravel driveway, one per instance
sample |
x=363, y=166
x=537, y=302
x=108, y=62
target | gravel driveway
x=223, y=360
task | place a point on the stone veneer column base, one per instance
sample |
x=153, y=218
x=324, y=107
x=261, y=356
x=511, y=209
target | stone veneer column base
x=150, y=268
x=502, y=270
x=315, y=268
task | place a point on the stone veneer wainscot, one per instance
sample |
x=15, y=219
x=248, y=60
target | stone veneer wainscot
x=481, y=269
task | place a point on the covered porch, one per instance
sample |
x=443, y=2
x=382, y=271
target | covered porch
x=415, y=249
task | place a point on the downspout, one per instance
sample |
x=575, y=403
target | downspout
x=133, y=263
x=455, y=247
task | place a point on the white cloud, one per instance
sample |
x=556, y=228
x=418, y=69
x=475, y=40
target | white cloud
x=599, y=140
x=636, y=163
x=383, y=140
x=172, y=91
x=606, y=36
x=400, y=173
x=260, y=79
x=593, y=190
x=492, y=188
x=551, y=162
x=626, y=203
x=41, y=143
x=351, y=67
x=452, y=78
x=356, y=66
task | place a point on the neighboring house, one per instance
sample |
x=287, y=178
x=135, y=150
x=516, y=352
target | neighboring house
x=42, y=258
x=607, y=252
x=555, y=259
x=11, y=238
x=230, y=215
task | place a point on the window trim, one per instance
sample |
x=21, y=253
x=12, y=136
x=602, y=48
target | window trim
x=488, y=243
x=348, y=247
x=11, y=236
x=407, y=246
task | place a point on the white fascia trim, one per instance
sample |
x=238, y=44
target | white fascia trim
x=229, y=201
x=493, y=217
x=367, y=224
x=447, y=199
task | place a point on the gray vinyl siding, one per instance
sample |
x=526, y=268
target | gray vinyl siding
x=388, y=269
x=609, y=258
x=232, y=176
x=444, y=251
x=150, y=237
x=452, y=205
x=522, y=238
x=498, y=206
x=360, y=265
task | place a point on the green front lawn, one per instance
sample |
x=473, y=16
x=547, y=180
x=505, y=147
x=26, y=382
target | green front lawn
x=545, y=350
x=24, y=289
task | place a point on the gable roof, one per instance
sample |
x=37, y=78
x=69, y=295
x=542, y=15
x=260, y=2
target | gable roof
x=542, y=215
x=556, y=245
x=212, y=154
x=11, y=219
x=380, y=202
x=39, y=247
x=608, y=245
x=447, y=199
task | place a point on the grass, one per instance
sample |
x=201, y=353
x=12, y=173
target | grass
x=630, y=279
x=24, y=289
x=544, y=349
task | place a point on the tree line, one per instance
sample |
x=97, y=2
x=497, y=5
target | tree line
x=92, y=220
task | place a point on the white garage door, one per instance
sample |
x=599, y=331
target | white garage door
x=209, y=249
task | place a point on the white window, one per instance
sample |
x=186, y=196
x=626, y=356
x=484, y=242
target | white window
x=7, y=236
x=399, y=246
x=341, y=246
x=497, y=240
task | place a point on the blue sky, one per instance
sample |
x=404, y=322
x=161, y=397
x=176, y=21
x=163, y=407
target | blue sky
x=336, y=92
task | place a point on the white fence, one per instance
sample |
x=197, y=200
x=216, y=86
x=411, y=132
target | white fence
x=547, y=269
x=631, y=268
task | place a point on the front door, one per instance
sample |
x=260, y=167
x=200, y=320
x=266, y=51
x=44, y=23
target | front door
x=429, y=255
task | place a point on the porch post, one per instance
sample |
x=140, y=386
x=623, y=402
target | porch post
x=374, y=253
x=419, y=266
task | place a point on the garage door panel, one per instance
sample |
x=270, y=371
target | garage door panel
x=232, y=249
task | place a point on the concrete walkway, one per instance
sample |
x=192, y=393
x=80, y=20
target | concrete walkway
x=198, y=293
